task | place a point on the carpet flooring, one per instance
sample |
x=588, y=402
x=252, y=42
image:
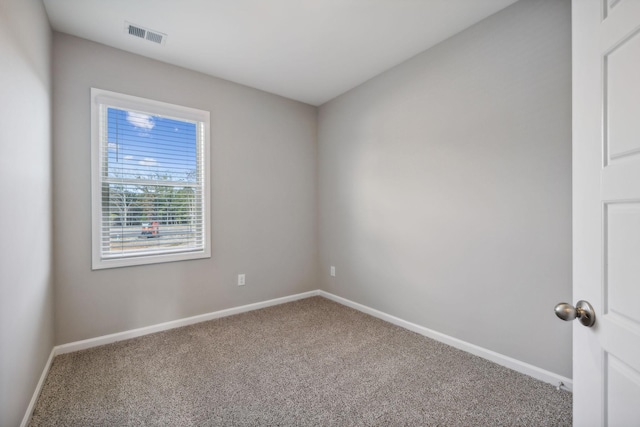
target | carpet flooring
x=311, y=362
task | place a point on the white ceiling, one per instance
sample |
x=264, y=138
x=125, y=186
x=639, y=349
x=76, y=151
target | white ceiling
x=307, y=50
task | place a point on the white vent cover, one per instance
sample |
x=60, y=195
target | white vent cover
x=144, y=33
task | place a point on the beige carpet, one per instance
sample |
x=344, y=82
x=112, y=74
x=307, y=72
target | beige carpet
x=309, y=362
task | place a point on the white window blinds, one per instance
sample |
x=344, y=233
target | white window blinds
x=150, y=186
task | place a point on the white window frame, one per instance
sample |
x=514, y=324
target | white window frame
x=118, y=100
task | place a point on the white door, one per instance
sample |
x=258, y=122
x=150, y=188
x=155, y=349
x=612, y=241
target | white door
x=606, y=210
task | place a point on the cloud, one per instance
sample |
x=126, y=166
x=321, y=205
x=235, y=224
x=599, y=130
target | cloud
x=127, y=157
x=141, y=121
x=148, y=161
x=112, y=146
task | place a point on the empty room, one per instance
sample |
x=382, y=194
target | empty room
x=339, y=212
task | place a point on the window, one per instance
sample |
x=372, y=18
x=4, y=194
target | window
x=150, y=181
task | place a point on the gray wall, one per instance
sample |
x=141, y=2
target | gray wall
x=26, y=293
x=264, y=201
x=445, y=186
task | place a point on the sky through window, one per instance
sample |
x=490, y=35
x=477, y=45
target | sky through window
x=143, y=146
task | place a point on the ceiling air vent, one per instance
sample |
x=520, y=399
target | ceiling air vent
x=144, y=33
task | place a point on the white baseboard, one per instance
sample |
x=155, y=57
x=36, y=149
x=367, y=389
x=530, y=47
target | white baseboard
x=500, y=359
x=133, y=333
x=36, y=393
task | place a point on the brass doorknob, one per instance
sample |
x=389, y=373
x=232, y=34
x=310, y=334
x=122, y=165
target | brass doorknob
x=583, y=311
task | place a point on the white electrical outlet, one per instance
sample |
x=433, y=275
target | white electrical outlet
x=333, y=271
x=241, y=280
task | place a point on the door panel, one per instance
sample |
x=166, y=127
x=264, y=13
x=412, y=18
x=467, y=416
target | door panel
x=623, y=384
x=622, y=247
x=622, y=100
